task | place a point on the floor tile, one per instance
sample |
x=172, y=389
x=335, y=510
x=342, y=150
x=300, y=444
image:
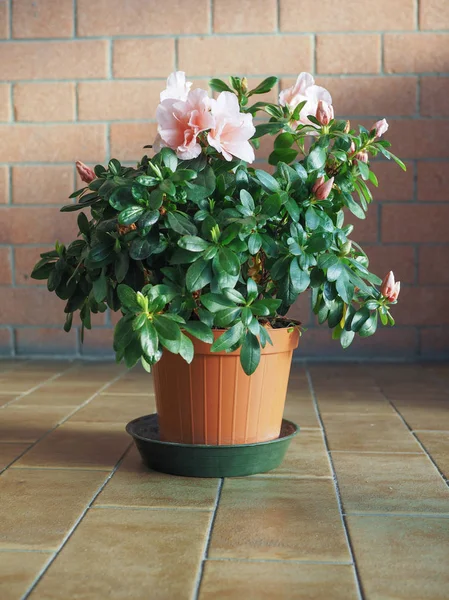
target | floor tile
x=401, y=558
x=380, y=433
x=22, y=424
x=18, y=570
x=133, y=382
x=299, y=407
x=39, y=506
x=284, y=519
x=49, y=396
x=434, y=417
x=306, y=457
x=144, y=554
x=115, y=409
x=135, y=485
x=437, y=445
x=5, y=398
x=8, y=452
x=79, y=446
x=389, y=483
x=354, y=403
x=234, y=580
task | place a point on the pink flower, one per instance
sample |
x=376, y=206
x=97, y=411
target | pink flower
x=389, y=288
x=86, y=173
x=324, y=112
x=177, y=87
x=232, y=129
x=362, y=156
x=304, y=89
x=322, y=188
x=381, y=127
x=181, y=121
x=351, y=148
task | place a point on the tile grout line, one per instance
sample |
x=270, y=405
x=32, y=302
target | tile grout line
x=75, y=526
x=36, y=387
x=69, y=416
x=281, y=561
x=199, y=578
x=337, y=488
x=421, y=445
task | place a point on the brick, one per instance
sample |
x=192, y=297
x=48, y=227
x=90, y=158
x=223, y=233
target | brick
x=42, y=19
x=31, y=306
x=375, y=96
x=434, y=95
x=44, y=101
x=415, y=223
x=98, y=342
x=143, y=58
x=4, y=185
x=42, y=185
x=52, y=143
x=128, y=140
x=24, y=261
x=395, y=185
x=422, y=306
x=109, y=100
x=416, y=53
x=434, y=341
x=5, y=342
x=86, y=59
x=433, y=14
x=358, y=53
x=5, y=102
x=419, y=138
x=4, y=20
x=354, y=15
x=388, y=342
x=431, y=259
x=235, y=16
x=134, y=17
x=5, y=266
x=432, y=181
x=365, y=230
x=45, y=341
x=244, y=55
x=400, y=259
x=36, y=225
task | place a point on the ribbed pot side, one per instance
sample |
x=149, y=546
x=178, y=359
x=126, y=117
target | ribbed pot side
x=212, y=401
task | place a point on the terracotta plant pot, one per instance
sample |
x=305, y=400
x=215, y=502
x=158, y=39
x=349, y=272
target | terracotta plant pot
x=212, y=401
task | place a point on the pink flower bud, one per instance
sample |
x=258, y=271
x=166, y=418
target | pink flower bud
x=317, y=183
x=86, y=173
x=324, y=112
x=362, y=156
x=381, y=127
x=389, y=288
x=351, y=148
x=323, y=190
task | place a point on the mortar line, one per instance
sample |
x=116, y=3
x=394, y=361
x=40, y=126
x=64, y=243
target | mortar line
x=211, y=17
x=65, y=419
x=199, y=578
x=337, y=488
x=75, y=20
x=10, y=20
x=278, y=16
x=74, y=527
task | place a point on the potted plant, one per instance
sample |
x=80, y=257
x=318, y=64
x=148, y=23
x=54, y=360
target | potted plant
x=204, y=254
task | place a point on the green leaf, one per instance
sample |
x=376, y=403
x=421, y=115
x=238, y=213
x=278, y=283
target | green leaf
x=319, y=241
x=316, y=159
x=292, y=209
x=229, y=338
x=284, y=140
x=114, y=166
x=193, y=243
x=186, y=349
x=199, y=330
x=224, y=318
x=216, y=302
x=198, y=275
x=130, y=215
x=168, y=187
x=121, y=198
x=346, y=338
x=247, y=316
x=251, y=289
x=353, y=206
x=203, y=186
x=265, y=86
x=167, y=330
x=272, y=205
x=169, y=159
x=228, y=261
x=268, y=182
x=254, y=243
x=68, y=322
x=219, y=86
x=334, y=271
x=140, y=249
x=234, y=295
x=156, y=199
x=369, y=327
x=181, y=223
x=148, y=338
x=300, y=279
x=250, y=353
x=128, y=298
x=83, y=224
x=123, y=333
x=312, y=218
x=364, y=169
x=345, y=288
x=132, y=353
x=100, y=287
x=267, y=128
x=148, y=218
x=247, y=200
x=360, y=318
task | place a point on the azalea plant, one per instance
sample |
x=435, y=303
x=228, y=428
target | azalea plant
x=194, y=239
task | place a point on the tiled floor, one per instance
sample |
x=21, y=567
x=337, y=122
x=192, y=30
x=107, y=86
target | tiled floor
x=359, y=508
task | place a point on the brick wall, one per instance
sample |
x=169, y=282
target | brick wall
x=79, y=79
